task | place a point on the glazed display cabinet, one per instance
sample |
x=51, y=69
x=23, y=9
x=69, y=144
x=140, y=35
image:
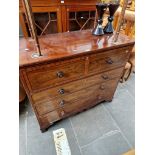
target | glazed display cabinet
x=54, y=16
x=80, y=18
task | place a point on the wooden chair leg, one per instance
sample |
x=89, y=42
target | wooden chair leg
x=121, y=79
x=126, y=73
x=130, y=69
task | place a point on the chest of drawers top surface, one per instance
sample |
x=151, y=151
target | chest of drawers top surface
x=59, y=46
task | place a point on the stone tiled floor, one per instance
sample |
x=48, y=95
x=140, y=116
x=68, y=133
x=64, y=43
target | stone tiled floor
x=106, y=129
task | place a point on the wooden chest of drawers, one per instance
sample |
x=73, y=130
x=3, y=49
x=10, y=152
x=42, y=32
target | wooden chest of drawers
x=77, y=71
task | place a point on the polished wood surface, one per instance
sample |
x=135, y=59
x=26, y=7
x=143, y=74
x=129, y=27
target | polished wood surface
x=101, y=91
x=71, y=87
x=93, y=95
x=69, y=44
x=52, y=75
x=76, y=72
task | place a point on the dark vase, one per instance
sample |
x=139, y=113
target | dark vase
x=112, y=9
x=98, y=30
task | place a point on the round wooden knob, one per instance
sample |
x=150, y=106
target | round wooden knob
x=105, y=77
x=62, y=102
x=61, y=91
x=60, y=74
x=109, y=61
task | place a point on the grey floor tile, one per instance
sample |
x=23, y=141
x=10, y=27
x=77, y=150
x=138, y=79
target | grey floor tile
x=22, y=134
x=29, y=109
x=123, y=112
x=38, y=143
x=123, y=94
x=110, y=145
x=130, y=85
x=43, y=143
x=92, y=124
x=26, y=107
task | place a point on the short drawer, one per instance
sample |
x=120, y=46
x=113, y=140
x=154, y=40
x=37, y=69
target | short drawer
x=99, y=91
x=108, y=60
x=51, y=75
x=71, y=87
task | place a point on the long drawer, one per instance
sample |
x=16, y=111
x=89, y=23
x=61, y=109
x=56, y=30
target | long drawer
x=108, y=60
x=52, y=74
x=60, y=91
x=99, y=91
x=94, y=95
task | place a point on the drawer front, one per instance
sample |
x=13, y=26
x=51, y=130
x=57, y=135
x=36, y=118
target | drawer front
x=49, y=76
x=51, y=117
x=108, y=60
x=100, y=91
x=71, y=87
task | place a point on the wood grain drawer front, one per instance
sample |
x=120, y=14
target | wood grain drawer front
x=100, y=92
x=81, y=104
x=71, y=87
x=55, y=75
x=51, y=117
x=108, y=60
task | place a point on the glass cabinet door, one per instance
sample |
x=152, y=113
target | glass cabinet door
x=47, y=20
x=80, y=19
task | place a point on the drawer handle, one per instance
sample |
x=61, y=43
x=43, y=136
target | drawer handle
x=105, y=77
x=62, y=102
x=60, y=74
x=61, y=91
x=109, y=61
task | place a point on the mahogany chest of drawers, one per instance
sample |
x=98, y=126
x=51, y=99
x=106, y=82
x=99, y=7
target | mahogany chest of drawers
x=76, y=71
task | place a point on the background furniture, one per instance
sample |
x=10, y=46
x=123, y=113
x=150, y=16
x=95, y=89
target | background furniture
x=130, y=6
x=52, y=16
x=131, y=152
x=128, y=29
x=77, y=71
